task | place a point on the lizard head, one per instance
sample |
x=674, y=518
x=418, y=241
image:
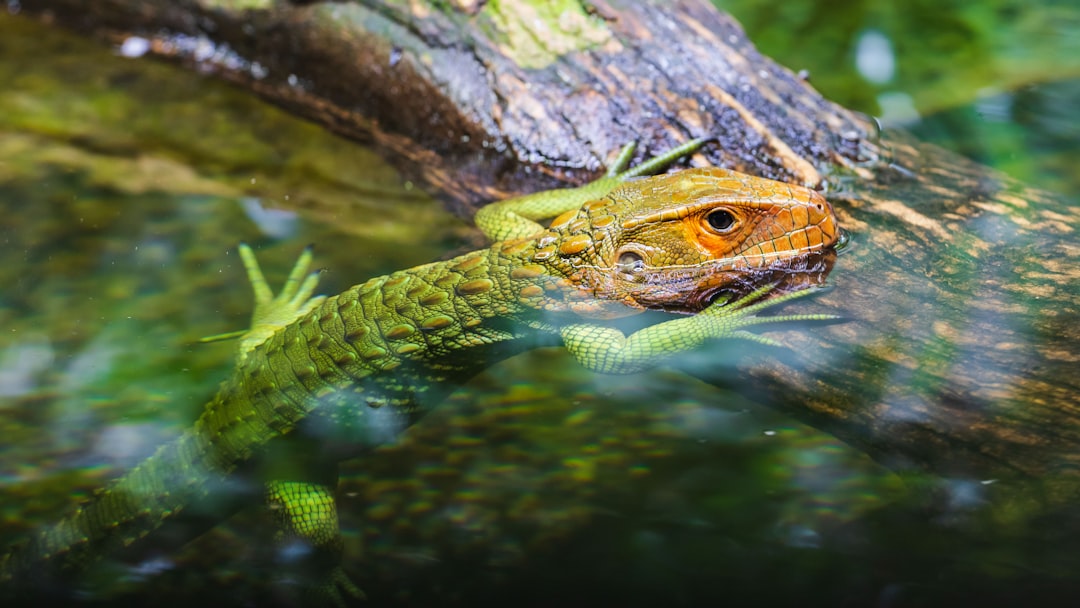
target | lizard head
x=678, y=241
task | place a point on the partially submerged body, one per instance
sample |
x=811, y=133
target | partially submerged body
x=352, y=371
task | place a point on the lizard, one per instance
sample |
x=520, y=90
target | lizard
x=346, y=373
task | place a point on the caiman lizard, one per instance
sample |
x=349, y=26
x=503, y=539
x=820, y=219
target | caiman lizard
x=341, y=374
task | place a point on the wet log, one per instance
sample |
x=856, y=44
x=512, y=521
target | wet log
x=961, y=290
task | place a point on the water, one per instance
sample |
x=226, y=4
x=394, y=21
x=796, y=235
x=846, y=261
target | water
x=126, y=186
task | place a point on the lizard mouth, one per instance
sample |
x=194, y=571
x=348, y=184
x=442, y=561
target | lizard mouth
x=792, y=274
x=691, y=292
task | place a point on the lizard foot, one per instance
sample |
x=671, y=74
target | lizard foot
x=736, y=315
x=329, y=590
x=274, y=312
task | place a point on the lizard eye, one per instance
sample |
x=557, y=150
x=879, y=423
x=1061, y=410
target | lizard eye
x=720, y=220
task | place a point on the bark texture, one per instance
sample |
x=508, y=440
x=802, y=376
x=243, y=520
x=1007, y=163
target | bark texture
x=962, y=286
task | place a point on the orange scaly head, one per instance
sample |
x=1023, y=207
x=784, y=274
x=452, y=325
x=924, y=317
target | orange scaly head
x=676, y=241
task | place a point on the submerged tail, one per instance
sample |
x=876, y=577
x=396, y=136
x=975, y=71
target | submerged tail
x=177, y=475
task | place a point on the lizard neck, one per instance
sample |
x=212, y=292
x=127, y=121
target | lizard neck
x=558, y=271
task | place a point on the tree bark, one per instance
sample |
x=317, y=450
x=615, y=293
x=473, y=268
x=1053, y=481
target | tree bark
x=961, y=290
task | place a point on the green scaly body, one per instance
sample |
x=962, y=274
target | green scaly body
x=352, y=371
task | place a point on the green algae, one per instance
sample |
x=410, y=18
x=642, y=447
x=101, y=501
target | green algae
x=536, y=34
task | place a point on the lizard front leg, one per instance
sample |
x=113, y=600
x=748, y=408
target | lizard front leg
x=608, y=350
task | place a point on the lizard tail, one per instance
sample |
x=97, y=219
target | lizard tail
x=179, y=474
